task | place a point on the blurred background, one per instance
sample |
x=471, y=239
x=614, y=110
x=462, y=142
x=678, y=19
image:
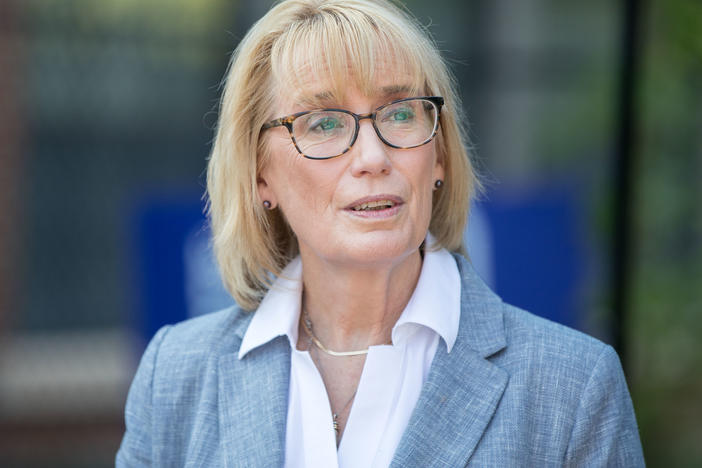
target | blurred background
x=586, y=123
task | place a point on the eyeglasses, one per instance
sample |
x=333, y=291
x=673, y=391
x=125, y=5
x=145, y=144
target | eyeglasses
x=328, y=133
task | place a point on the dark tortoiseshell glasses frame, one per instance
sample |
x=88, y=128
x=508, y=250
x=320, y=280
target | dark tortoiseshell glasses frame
x=288, y=120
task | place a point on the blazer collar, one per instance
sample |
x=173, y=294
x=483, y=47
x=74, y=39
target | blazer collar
x=253, y=402
x=463, y=388
x=242, y=324
x=482, y=323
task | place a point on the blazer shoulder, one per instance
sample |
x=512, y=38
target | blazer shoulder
x=493, y=326
x=174, y=391
x=551, y=344
x=218, y=332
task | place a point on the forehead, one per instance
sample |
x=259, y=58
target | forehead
x=312, y=85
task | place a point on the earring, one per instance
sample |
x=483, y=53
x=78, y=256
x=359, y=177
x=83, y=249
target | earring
x=439, y=183
x=267, y=205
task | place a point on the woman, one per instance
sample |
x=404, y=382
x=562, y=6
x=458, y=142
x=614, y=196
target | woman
x=338, y=188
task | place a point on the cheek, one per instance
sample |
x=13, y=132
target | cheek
x=305, y=188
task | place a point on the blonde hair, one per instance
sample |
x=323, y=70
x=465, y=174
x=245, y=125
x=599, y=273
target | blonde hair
x=252, y=245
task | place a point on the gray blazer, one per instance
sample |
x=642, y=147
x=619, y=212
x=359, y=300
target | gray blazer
x=516, y=390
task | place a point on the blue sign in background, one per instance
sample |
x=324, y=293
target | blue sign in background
x=526, y=245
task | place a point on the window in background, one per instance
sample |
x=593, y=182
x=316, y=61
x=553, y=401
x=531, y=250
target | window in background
x=112, y=111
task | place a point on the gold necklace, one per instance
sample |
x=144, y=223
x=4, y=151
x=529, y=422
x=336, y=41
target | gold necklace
x=307, y=324
x=335, y=414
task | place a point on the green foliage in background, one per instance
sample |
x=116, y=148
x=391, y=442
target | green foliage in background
x=665, y=324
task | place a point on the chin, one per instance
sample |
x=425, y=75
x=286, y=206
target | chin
x=379, y=248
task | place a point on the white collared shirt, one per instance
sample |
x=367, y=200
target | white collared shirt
x=392, y=375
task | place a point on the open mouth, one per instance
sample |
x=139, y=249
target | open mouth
x=374, y=205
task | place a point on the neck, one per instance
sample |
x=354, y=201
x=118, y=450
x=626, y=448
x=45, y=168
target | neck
x=353, y=308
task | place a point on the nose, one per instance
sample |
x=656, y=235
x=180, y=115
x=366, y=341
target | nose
x=369, y=155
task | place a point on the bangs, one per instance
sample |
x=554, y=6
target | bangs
x=333, y=50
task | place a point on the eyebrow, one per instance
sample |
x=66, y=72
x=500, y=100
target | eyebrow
x=319, y=98
x=395, y=89
x=326, y=97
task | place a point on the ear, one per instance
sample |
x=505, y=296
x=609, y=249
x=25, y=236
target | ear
x=265, y=191
x=438, y=172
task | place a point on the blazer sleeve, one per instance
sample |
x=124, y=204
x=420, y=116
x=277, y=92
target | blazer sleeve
x=605, y=431
x=136, y=447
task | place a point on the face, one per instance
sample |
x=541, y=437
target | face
x=332, y=205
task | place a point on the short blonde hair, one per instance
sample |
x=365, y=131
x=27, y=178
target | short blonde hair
x=252, y=245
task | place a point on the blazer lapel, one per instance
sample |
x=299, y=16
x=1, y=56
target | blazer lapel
x=463, y=388
x=253, y=401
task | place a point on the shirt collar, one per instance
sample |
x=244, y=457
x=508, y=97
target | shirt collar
x=436, y=300
x=279, y=311
x=435, y=304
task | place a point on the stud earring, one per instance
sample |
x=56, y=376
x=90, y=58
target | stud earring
x=267, y=205
x=439, y=183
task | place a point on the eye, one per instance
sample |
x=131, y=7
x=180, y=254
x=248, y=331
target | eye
x=402, y=114
x=326, y=124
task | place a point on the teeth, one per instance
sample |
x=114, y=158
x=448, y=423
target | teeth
x=374, y=205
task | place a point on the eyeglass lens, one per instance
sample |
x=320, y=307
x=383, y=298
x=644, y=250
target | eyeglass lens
x=403, y=124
